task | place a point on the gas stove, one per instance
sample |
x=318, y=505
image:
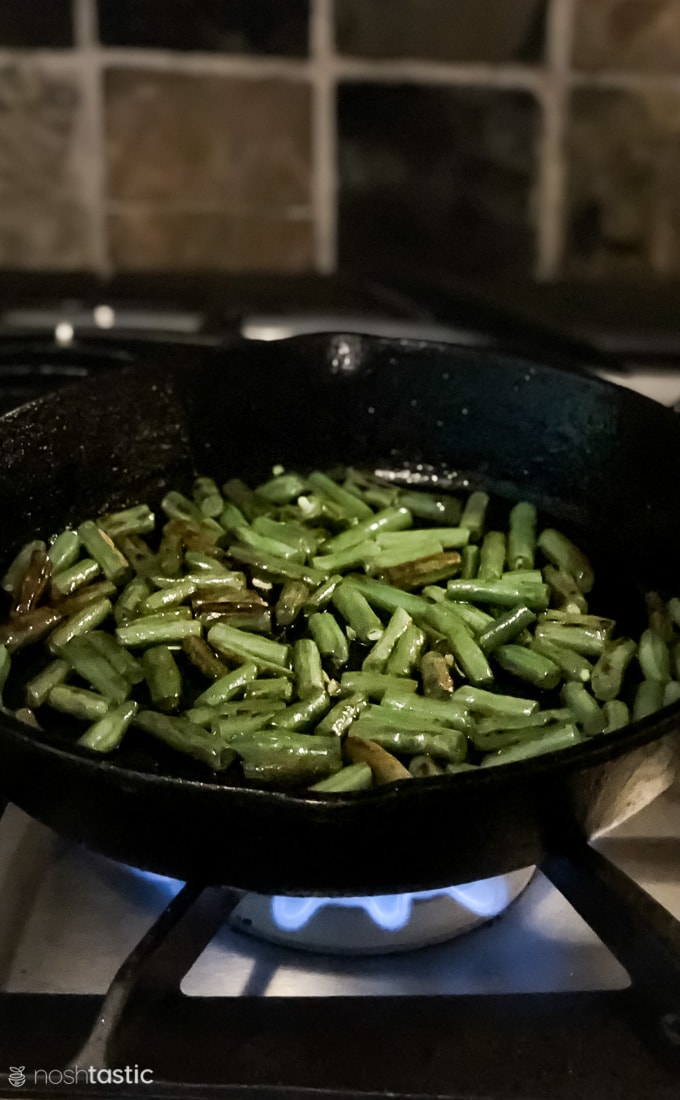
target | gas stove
x=118, y=983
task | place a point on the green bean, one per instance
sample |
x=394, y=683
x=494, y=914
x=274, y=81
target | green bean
x=107, y=734
x=276, y=688
x=387, y=598
x=282, y=489
x=586, y=711
x=137, y=552
x=357, y=612
x=648, y=699
x=502, y=722
x=208, y=497
x=292, y=762
x=293, y=596
x=424, y=571
x=350, y=505
x=616, y=715
x=565, y=588
x=203, y=658
x=75, y=576
x=435, y=676
x=29, y=628
x=157, y=630
x=654, y=657
x=89, y=664
x=236, y=730
x=168, y=597
x=477, y=620
x=659, y=617
x=389, y=519
x=500, y=593
x=12, y=578
x=256, y=620
x=342, y=560
x=309, y=677
x=184, y=736
x=562, y=553
x=169, y=557
x=385, y=767
x=373, y=684
x=474, y=514
x=138, y=520
x=607, y=676
x=228, y=686
x=64, y=551
x=515, y=734
x=89, y=618
x=426, y=711
x=163, y=677
x=469, y=562
x=463, y=646
x=77, y=702
x=505, y=628
x=329, y=638
x=248, y=536
x=33, y=583
x=675, y=658
x=340, y=717
x=259, y=649
x=276, y=569
x=302, y=715
x=434, y=592
x=321, y=597
x=588, y=641
x=492, y=556
x=205, y=716
x=522, y=536
x=442, y=743
x=85, y=596
x=405, y=555
x=450, y=538
x=291, y=533
x=453, y=769
x=437, y=509
x=489, y=704
x=561, y=738
x=41, y=685
x=177, y=506
x=424, y=767
x=118, y=657
x=407, y=652
x=528, y=665
x=671, y=693
x=378, y=656
x=100, y=546
x=674, y=610
x=202, y=564
x=231, y=517
x=130, y=600
x=572, y=664
x=355, y=777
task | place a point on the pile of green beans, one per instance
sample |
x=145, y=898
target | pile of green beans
x=329, y=633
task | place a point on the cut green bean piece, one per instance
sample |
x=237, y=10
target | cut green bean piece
x=157, y=630
x=236, y=729
x=463, y=646
x=424, y=571
x=450, y=538
x=309, y=677
x=282, y=489
x=228, y=686
x=276, y=569
x=434, y=592
x=177, y=506
x=607, y=675
x=407, y=652
x=123, y=662
x=437, y=509
x=526, y=664
x=78, y=702
x=506, y=627
x=453, y=769
x=168, y=597
x=208, y=497
x=321, y=597
x=474, y=514
x=387, y=598
x=648, y=699
x=265, y=649
x=389, y=519
x=501, y=593
x=492, y=556
x=522, y=536
x=300, y=716
x=561, y=738
x=29, y=628
x=587, y=713
x=200, y=563
x=385, y=767
x=435, y=676
x=659, y=616
x=12, y=578
x=502, y=722
x=424, y=767
x=38, y=689
x=616, y=715
x=248, y=536
x=329, y=638
x=355, y=777
x=357, y=612
x=487, y=703
x=374, y=684
x=89, y=664
x=88, y=595
x=257, y=620
x=89, y=618
x=671, y=693
x=107, y=734
x=290, y=760
x=205, y=716
x=203, y=658
x=469, y=562
x=377, y=659
x=477, y=620
x=588, y=641
x=654, y=657
x=68, y=580
x=101, y=547
x=352, y=506
x=137, y=551
x=572, y=664
x=130, y=600
x=275, y=688
x=64, y=551
x=396, y=556
x=294, y=534
x=674, y=610
x=184, y=736
x=492, y=740
x=340, y=717
x=563, y=554
x=565, y=590
x=428, y=711
x=138, y=520
x=353, y=556
x=163, y=677
x=33, y=584
x=442, y=743
x=293, y=596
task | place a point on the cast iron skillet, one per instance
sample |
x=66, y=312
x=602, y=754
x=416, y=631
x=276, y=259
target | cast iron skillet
x=600, y=460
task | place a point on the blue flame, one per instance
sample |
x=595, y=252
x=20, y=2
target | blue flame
x=485, y=899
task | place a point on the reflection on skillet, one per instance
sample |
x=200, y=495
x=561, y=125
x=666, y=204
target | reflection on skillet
x=413, y=632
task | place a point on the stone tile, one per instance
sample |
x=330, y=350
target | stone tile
x=43, y=217
x=223, y=26
x=36, y=23
x=623, y=152
x=151, y=238
x=641, y=35
x=436, y=178
x=443, y=30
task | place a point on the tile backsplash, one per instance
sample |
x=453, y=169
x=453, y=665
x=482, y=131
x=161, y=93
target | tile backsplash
x=495, y=138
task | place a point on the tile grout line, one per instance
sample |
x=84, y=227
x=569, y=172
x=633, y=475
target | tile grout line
x=552, y=169
x=87, y=54
x=324, y=136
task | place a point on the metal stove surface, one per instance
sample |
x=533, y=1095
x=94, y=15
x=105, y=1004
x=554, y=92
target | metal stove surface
x=68, y=918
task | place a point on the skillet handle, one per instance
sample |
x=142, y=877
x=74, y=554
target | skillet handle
x=640, y=933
